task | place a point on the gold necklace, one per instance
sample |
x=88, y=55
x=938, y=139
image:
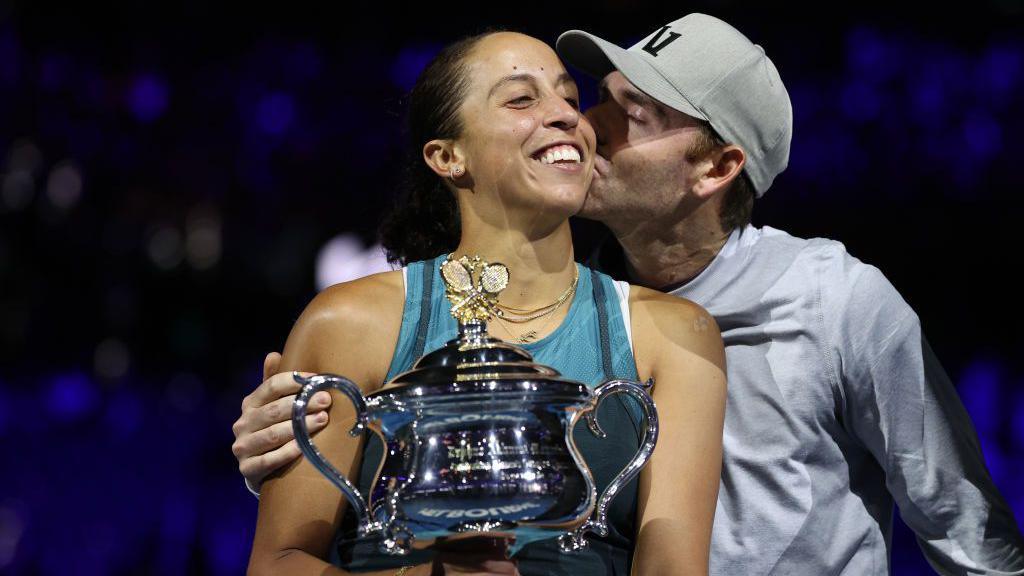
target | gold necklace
x=523, y=315
x=531, y=335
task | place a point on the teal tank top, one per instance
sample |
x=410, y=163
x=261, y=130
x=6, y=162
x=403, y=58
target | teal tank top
x=590, y=346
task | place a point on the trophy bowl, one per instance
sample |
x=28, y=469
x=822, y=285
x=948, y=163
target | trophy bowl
x=477, y=442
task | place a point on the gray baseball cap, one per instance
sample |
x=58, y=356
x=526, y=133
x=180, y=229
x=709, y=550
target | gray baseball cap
x=707, y=69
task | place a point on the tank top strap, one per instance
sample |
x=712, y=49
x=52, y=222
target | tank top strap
x=600, y=302
x=617, y=359
x=415, y=314
x=426, y=301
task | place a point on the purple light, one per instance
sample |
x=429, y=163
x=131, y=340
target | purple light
x=1017, y=425
x=178, y=521
x=71, y=396
x=147, y=98
x=177, y=528
x=229, y=545
x=979, y=388
x=124, y=414
x=983, y=136
x=868, y=55
x=998, y=72
x=275, y=112
x=932, y=86
x=995, y=461
x=409, y=63
x=928, y=101
x=860, y=101
x=5, y=409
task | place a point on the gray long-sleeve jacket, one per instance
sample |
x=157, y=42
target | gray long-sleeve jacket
x=838, y=408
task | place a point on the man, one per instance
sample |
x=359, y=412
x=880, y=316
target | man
x=837, y=406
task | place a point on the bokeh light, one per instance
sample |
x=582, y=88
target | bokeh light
x=345, y=258
x=148, y=97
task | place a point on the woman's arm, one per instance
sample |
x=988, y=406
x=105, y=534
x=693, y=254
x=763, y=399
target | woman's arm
x=678, y=343
x=349, y=329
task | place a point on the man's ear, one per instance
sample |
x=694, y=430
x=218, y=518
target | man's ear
x=724, y=166
x=442, y=156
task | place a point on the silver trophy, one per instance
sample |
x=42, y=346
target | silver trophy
x=477, y=438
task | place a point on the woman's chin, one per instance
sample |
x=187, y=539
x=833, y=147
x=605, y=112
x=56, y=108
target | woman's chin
x=551, y=203
x=566, y=198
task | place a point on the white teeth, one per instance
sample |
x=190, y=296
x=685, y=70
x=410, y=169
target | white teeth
x=560, y=153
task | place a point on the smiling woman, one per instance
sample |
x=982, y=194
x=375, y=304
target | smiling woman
x=426, y=221
x=502, y=158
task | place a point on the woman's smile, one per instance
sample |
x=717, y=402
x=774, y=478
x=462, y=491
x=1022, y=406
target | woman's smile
x=564, y=157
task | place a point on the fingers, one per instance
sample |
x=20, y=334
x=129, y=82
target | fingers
x=256, y=465
x=278, y=385
x=270, y=364
x=252, y=444
x=264, y=439
x=279, y=410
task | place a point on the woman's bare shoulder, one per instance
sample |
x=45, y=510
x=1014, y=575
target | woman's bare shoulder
x=658, y=317
x=647, y=301
x=357, y=303
x=355, y=322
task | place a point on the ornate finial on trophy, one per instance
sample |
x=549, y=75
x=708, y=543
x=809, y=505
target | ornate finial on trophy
x=472, y=286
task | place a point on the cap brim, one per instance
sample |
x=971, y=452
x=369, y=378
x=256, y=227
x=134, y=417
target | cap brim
x=598, y=58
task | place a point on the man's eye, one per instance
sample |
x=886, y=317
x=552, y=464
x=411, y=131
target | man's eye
x=574, y=103
x=521, y=100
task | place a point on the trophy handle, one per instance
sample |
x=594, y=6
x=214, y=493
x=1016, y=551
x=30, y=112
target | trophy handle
x=598, y=522
x=311, y=386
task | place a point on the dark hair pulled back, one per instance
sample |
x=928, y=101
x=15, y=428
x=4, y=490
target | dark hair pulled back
x=424, y=222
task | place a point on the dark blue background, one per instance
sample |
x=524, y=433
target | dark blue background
x=168, y=176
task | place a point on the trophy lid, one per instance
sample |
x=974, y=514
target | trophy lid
x=475, y=361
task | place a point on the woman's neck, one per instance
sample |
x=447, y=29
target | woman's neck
x=540, y=266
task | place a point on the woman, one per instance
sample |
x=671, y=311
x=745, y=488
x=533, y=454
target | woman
x=497, y=120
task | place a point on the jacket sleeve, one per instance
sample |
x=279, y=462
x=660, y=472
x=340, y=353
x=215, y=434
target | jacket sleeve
x=902, y=407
